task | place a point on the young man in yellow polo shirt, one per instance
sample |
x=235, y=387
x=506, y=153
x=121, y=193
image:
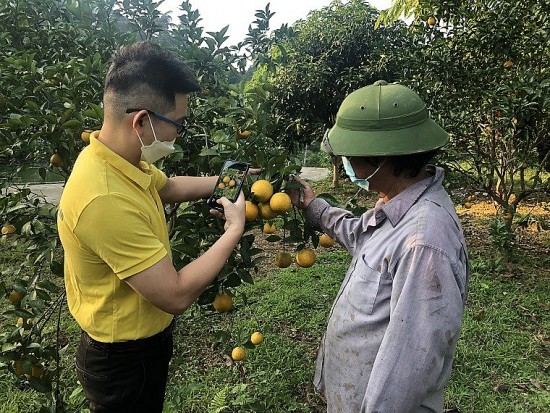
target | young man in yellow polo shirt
x=122, y=288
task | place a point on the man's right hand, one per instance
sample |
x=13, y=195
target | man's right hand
x=301, y=197
x=233, y=213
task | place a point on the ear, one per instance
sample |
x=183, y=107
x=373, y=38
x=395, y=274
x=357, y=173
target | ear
x=137, y=121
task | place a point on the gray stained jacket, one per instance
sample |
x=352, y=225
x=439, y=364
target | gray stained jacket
x=393, y=328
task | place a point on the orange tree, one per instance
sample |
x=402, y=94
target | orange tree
x=53, y=83
x=333, y=52
x=483, y=69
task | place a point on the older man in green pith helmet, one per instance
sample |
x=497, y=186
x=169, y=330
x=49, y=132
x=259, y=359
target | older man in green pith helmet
x=393, y=328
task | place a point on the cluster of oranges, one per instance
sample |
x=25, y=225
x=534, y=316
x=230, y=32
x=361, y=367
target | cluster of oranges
x=8, y=229
x=304, y=258
x=269, y=204
x=224, y=303
x=239, y=352
x=265, y=203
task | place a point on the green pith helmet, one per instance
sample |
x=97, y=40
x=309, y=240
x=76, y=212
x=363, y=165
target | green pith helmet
x=382, y=120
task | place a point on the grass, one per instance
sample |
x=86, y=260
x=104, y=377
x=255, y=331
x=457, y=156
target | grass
x=501, y=363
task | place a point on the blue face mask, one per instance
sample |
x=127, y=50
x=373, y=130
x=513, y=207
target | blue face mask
x=361, y=182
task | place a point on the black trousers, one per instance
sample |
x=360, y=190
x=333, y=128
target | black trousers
x=125, y=377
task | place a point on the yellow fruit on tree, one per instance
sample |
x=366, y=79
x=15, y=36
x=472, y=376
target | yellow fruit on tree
x=280, y=202
x=56, y=160
x=508, y=64
x=223, y=303
x=262, y=190
x=269, y=228
x=251, y=211
x=238, y=353
x=15, y=297
x=8, y=229
x=85, y=135
x=305, y=258
x=326, y=241
x=231, y=183
x=266, y=212
x=244, y=133
x=37, y=370
x=226, y=179
x=432, y=21
x=256, y=338
x=283, y=259
x=20, y=322
x=221, y=185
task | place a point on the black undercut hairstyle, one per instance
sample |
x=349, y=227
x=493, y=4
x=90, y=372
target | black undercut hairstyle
x=144, y=75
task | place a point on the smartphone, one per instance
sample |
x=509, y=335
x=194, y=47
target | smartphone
x=229, y=183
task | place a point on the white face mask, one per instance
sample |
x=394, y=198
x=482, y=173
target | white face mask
x=156, y=150
x=361, y=182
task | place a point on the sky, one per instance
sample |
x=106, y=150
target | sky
x=239, y=14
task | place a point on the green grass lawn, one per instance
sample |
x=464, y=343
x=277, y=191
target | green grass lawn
x=502, y=362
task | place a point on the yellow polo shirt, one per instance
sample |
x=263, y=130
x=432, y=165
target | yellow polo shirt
x=111, y=224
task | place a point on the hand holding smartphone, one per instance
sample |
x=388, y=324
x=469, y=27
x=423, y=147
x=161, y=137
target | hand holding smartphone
x=229, y=183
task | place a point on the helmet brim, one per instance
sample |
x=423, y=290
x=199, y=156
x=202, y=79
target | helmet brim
x=423, y=137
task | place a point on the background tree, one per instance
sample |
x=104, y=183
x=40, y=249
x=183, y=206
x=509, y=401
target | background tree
x=483, y=69
x=335, y=51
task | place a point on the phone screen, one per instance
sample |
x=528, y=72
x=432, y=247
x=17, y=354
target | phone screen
x=229, y=183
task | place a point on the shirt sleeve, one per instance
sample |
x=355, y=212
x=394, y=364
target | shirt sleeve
x=417, y=348
x=113, y=227
x=338, y=223
x=159, y=178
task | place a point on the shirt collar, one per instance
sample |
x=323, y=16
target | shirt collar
x=140, y=175
x=398, y=206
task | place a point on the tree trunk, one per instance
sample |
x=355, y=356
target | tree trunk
x=336, y=162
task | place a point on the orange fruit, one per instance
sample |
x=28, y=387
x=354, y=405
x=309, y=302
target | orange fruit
x=266, y=212
x=326, y=241
x=56, y=160
x=15, y=296
x=244, y=133
x=223, y=303
x=305, y=258
x=432, y=21
x=283, y=259
x=85, y=135
x=280, y=202
x=269, y=228
x=8, y=229
x=251, y=211
x=261, y=190
x=256, y=338
x=238, y=354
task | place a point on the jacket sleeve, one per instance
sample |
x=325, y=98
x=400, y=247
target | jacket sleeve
x=340, y=224
x=416, y=353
